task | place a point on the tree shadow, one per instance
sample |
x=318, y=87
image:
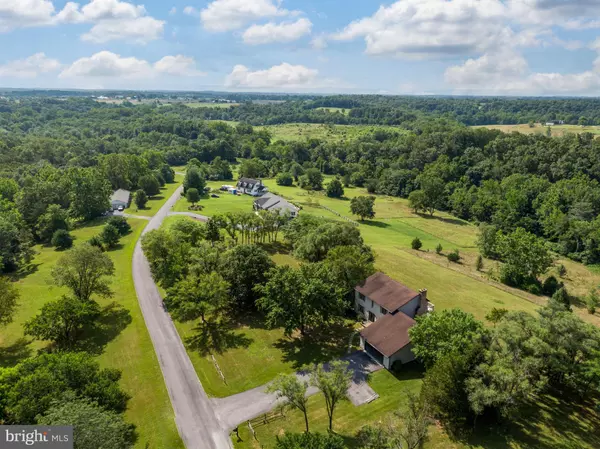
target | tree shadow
x=572, y=421
x=454, y=221
x=113, y=319
x=13, y=354
x=375, y=224
x=278, y=247
x=320, y=345
x=157, y=197
x=117, y=247
x=24, y=271
x=216, y=337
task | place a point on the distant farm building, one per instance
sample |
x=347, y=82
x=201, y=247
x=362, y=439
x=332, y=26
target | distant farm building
x=120, y=198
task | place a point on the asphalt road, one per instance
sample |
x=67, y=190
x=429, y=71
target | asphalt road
x=195, y=418
x=191, y=214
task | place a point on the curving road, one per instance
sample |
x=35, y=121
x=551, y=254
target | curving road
x=196, y=420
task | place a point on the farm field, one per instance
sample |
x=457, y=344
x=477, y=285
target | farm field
x=211, y=105
x=557, y=130
x=123, y=343
x=303, y=131
x=344, y=111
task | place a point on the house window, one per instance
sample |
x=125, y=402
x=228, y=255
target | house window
x=383, y=311
x=372, y=317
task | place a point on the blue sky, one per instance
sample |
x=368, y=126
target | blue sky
x=497, y=47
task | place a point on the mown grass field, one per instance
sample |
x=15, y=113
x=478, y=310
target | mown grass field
x=539, y=128
x=123, y=342
x=211, y=105
x=334, y=110
x=302, y=131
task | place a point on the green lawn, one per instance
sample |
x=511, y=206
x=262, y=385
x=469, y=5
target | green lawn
x=124, y=342
x=302, y=131
x=156, y=202
x=211, y=105
x=344, y=111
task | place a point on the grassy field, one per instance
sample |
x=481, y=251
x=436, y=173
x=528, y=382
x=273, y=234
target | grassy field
x=344, y=111
x=557, y=130
x=211, y=105
x=302, y=131
x=157, y=201
x=123, y=342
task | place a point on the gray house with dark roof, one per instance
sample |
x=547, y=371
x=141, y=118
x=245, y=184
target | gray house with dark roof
x=277, y=203
x=120, y=198
x=388, y=309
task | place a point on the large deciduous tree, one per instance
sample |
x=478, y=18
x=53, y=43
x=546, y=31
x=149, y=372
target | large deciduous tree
x=89, y=193
x=150, y=185
x=168, y=255
x=335, y=189
x=197, y=296
x=363, y=206
x=9, y=297
x=333, y=381
x=293, y=390
x=194, y=180
x=52, y=220
x=84, y=270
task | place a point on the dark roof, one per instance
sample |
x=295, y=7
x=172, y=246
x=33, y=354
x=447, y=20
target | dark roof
x=386, y=292
x=270, y=201
x=389, y=333
x=249, y=182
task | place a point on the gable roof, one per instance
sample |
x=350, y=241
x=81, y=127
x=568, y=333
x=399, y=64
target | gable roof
x=121, y=195
x=270, y=201
x=389, y=334
x=386, y=292
x=249, y=182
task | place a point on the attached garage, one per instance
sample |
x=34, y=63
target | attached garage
x=120, y=198
x=387, y=341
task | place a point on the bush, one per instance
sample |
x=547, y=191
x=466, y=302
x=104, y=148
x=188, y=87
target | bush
x=285, y=179
x=97, y=242
x=439, y=248
x=121, y=224
x=534, y=288
x=61, y=239
x=454, y=256
x=309, y=441
x=372, y=186
x=416, y=244
x=561, y=270
x=110, y=236
x=561, y=299
x=335, y=189
x=591, y=301
x=479, y=263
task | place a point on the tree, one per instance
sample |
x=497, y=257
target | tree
x=150, y=185
x=168, y=254
x=496, y=315
x=414, y=423
x=363, y=206
x=110, y=236
x=62, y=321
x=525, y=257
x=312, y=179
x=15, y=239
x=285, y=179
x=417, y=201
x=293, y=391
x=120, y=223
x=93, y=426
x=84, y=270
x=31, y=387
x=213, y=231
x=89, y=193
x=140, y=199
x=350, y=265
x=9, y=297
x=454, y=256
x=487, y=241
x=167, y=173
x=479, y=262
x=416, y=244
x=309, y=441
x=299, y=299
x=439, y=249
x=244, y=267
x=333, y=383
x=196, y=296
x=439, y=333
x=335, y=189
x=433, y=188
x=591, y=301
x=193, y=180
x=193, y=196
x=313, y=245
x=561, y=299
x=61, y=239
x=52, y=220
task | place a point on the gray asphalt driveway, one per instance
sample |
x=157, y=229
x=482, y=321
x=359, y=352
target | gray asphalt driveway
x=239, y=408
x=196, y=420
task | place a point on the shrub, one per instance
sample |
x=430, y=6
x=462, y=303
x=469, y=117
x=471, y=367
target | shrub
x=534, y=288
x=372, y=186
x=285, y=179
x=550, y=286
x=591, y=301
x=61, y=239
x=335, y=189
x=97, y=242
x=439, y=248
x=121, y=224
x=454, y=256
x=561, y=299
x=416, y=244
x=110, y=236
x=561, y=270
x=479, y=263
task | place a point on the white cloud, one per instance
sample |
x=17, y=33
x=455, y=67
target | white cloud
x=25, y=13
x=30, y=67
x=191, y=11
x=319, y=42
x=573, y=14
x=173, y=11
x=106, y=65
x=226, y=15
x=509, y=73
x=113, y=20
x=280, y=76
x=272, y=32
x=140, y=30
x=177, y=65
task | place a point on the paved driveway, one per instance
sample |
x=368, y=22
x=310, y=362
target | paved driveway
x=196, y=420
x=239, y=408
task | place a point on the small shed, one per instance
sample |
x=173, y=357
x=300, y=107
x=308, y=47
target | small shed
x=120, y=198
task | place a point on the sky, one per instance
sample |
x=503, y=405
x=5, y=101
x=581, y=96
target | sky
x=456, y=47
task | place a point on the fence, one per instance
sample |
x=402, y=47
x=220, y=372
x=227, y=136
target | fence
x=349, y=220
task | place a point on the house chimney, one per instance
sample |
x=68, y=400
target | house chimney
x=423, y=302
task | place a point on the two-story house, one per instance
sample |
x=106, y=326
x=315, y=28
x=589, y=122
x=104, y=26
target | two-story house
x=389, y=308
x=250, y=186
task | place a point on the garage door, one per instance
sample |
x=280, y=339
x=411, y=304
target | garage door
x=374, y=352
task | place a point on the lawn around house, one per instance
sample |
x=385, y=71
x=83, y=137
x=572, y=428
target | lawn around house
x=124, y=343
x=156, y=202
